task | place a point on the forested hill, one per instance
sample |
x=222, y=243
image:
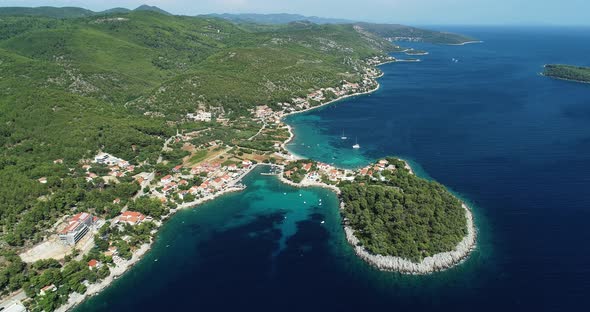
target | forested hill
x=69, y=12
x=396, y=32
x=392, y=32
x=123, y=82
x=568, y=72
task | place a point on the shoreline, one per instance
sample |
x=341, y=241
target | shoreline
x=121, y=268
x=93, y=289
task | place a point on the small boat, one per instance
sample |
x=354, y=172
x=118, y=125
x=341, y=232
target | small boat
x=300, y=195
x=323, y=221
x=356, y=145
x=343, y=137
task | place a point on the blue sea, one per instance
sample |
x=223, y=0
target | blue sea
x=513, y=144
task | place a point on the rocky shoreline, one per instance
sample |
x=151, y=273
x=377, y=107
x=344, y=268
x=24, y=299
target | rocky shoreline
x=435, y=263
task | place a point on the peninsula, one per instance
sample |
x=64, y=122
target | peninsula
x=567, y=72
x=113, y=121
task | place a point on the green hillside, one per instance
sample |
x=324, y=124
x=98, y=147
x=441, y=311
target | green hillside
x=46, y=11
x=73, y=86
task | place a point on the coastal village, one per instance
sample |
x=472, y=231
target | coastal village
x=108, y=243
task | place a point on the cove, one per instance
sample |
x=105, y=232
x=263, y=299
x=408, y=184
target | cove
x=514, y=144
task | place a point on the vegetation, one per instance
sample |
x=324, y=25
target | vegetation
x=403, y=215
x=568, y=72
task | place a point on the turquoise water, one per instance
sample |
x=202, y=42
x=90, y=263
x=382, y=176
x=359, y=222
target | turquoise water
x=514, y=145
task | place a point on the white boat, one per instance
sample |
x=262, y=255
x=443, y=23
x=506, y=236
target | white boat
x=343, y=137
x=356, y=145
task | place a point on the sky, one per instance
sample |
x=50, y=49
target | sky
x=416, y=12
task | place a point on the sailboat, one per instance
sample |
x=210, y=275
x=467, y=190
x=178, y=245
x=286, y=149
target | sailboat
x=343, y=137
x=356, y=145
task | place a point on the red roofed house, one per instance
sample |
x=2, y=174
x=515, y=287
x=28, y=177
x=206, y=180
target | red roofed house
x=47, y=289
x=177, y=168
x=166, y=179
x=131, y=217
x=217, y=183
x=307, y=167
x=93, y=264
x=77, y=227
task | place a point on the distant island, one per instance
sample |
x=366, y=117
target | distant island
x=567, y=72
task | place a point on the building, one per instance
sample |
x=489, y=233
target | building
x=77, y=227
x=167, y=179
x=131, y=217
x=200, y=116
x=94, y=264
x=47, y=289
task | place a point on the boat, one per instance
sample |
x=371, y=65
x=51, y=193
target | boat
x=343, y=137
x=356, y=145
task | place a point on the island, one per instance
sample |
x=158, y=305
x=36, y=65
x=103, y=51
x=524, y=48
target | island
x=113, y=121
x=567, y=72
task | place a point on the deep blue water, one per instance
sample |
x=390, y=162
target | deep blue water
x=514, y=144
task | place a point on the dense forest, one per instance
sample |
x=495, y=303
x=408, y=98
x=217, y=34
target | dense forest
x=569, y=72
x=399, y=214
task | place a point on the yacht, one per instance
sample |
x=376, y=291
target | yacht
x=343, y=137
x=356, y=145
